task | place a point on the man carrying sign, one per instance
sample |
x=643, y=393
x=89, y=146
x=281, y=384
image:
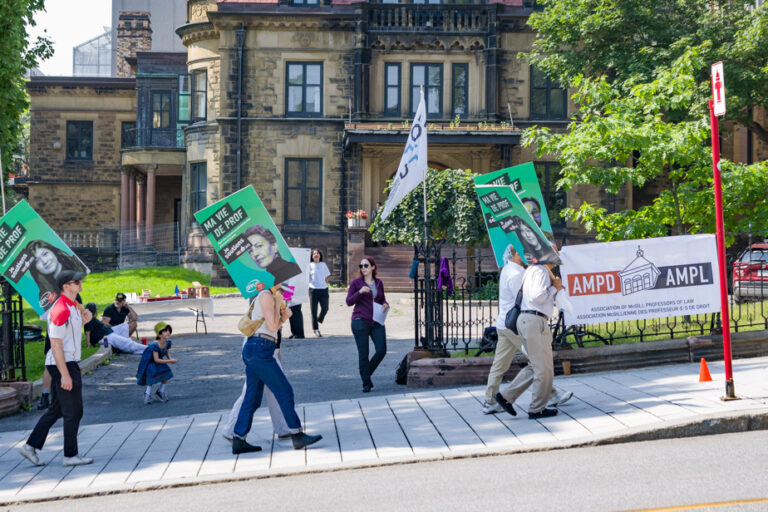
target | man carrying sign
x=65, y=324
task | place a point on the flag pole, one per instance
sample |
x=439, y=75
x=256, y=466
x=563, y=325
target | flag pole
x=2, y=179
x=424, y=182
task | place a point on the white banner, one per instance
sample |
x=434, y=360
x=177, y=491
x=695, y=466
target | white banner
x=301, y=281
x=637, y=279
x=413, y=165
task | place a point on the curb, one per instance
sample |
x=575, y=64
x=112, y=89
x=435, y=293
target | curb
x=88, y=365
x=713, y=424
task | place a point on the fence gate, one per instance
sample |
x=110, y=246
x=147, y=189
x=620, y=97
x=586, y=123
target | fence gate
x=12, y=364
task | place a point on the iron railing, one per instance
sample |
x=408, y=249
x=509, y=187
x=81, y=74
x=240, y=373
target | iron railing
x=457, y=321
x=153, y=138
x=12, y=363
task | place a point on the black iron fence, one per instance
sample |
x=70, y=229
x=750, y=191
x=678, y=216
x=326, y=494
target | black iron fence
x=12, y=363
x=455, y=320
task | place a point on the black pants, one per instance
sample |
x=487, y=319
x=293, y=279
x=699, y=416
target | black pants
x=378, y=334
x=297, y=321
x=318, y=296
x=66, y=404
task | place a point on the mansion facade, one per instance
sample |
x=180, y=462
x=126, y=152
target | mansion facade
x=309, y=101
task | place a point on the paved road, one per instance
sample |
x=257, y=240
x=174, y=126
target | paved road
x=646, y=476
x=210, y=373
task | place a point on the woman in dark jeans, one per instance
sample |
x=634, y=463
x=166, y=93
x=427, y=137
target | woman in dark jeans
x=362, y=293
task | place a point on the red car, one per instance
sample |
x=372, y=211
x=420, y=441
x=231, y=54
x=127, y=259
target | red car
x=750, y=273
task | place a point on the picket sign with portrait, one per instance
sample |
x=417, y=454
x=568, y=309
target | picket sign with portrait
x=524, y=181
x=247, y=241
x=641, y=279
x=32, y=256
x=508, y=221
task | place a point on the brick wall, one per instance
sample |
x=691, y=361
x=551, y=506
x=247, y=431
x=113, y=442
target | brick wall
x=134, y=34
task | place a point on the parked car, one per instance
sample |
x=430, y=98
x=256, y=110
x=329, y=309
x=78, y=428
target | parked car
x=750, y=273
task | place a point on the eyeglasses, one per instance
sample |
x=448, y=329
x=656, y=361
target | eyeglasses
x=77, y=281
x=364, y=265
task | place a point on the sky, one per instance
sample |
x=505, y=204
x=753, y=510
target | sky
x=69, y=23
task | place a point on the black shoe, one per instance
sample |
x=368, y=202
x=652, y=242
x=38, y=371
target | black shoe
x=241, y=446
x=45, y=401
x=367, y=388
x=505, y=404
x=544, y=413
x=302, y=440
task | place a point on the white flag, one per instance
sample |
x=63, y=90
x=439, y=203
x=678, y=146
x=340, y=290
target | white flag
x=413, y=165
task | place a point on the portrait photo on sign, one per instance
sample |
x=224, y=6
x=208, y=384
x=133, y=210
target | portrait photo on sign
x=33, y=256
x=247, y=241
x=509, y=221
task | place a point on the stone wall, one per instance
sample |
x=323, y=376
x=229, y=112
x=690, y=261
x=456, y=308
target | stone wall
x=76, y=205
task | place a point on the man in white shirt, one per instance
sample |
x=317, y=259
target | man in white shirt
x=539, y=291
x=508, y=342
x=65, y=327
x=510, y=280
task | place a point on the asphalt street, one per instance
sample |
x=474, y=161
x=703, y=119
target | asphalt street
x=714, y=473
x=210, y=373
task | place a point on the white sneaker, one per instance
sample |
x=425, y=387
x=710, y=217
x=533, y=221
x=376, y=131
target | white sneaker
x=492, y=408
x=77, y=460
x=560, y=398
x=147, y=398
x=30, y=453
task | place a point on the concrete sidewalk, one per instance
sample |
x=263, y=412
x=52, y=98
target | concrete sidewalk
x=607, y=407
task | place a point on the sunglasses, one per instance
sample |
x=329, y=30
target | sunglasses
x=77, y=281
x=364, y=265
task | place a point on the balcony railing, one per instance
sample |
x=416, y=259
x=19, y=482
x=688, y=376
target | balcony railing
x=428, y=18
x=153, y=138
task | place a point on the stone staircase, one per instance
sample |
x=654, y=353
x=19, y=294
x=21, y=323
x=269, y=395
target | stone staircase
x=393, y=266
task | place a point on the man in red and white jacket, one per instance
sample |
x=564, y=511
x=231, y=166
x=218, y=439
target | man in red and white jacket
x=65, y=326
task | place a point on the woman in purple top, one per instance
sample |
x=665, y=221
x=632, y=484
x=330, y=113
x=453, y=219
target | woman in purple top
x=363, y=292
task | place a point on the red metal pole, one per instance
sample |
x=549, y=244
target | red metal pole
x=730, y=392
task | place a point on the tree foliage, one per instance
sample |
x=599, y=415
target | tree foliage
x=17, y=55
x=628, y=41
x=452, y=209
x=641, y=76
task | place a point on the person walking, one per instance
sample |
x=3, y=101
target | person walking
x=363, y=292
x=262, y=369
x=153, y=366
x=510, y=281
x=540, y=288
x=278, y=421
x=319, y=275
x=65, y=324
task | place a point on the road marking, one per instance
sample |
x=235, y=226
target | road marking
x=701, y=505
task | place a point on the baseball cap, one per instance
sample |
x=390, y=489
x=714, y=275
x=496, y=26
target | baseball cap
x=65, y=276
x=120, y=296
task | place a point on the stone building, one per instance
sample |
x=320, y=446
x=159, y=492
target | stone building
x=308, y=101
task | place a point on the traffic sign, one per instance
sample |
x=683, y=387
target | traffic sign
x=718, y=88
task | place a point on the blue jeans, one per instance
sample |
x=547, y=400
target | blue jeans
x=262, y=369
x=362, y=331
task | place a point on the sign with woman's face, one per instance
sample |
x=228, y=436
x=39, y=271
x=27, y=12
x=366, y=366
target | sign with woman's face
x=525, y=184
x=508, y=221
x=247, y=241
x=32, y=255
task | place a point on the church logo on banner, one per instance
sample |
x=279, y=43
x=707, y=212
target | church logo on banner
x=413, y=164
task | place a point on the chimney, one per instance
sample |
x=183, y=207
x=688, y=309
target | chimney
x=134, y=34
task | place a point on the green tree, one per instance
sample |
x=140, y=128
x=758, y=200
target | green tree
x=642, y=118
x=452, y=209
x=17, y=55
x=628, y=41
